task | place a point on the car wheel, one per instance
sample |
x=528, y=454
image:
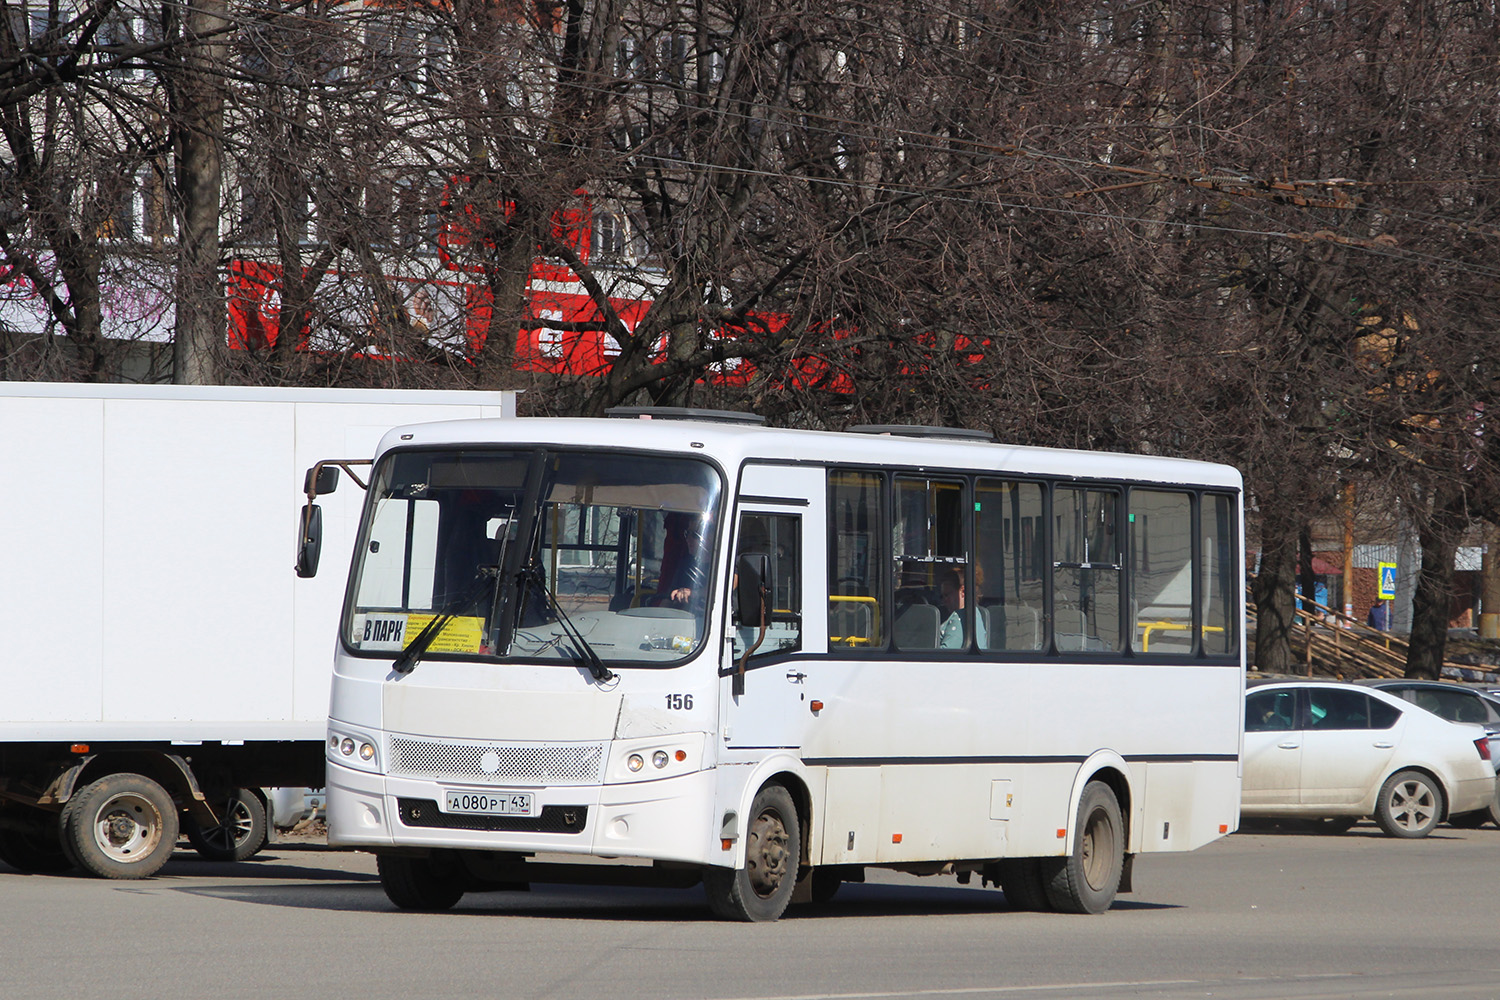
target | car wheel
x=240, y=832
x=1410, y=805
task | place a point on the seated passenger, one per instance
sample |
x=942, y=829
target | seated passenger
x=952, y=635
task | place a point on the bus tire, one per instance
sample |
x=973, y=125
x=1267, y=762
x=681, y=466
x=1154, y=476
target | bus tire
x=240, y=832
x=1089, y=876
x=122, y=826
x=1024, y=883
x=418, y=883
x=1410, y=805
x=773, y=851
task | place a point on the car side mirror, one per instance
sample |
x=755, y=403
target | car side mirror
x=310, y=538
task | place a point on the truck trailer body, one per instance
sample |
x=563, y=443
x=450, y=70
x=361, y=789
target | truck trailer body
x=162, y=662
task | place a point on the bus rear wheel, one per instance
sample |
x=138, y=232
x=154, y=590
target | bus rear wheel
x=1024, y=882
x=1089, y=876
x=761, y=890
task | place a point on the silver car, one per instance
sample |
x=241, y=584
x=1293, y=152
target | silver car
x=1456, y=703
x=1334, y=752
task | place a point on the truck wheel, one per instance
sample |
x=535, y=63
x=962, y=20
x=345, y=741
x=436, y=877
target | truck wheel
x=1089, y=877
x=761, y=890
x=240, y=832
x=1410, y=805
x=122, y=826
x=32, y=844
x=414, y=883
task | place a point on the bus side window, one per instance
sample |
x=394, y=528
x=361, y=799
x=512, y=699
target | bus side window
x=858, y=554
x=772, y=541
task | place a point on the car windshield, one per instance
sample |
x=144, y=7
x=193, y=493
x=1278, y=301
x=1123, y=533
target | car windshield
x=528, y=553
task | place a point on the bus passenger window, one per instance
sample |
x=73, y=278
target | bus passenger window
x=929, y=548
x=1085, y=570
x=1218, y=576
x=1009, y=526
x=1161, y=572
x=772, y=541
x=858, y=552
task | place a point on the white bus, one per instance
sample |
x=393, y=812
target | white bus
x=694, y=649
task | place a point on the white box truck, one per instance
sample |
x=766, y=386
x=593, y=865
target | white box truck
x=161, y=662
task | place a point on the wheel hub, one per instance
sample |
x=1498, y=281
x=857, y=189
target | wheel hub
x=766, y=857
x=124, y=828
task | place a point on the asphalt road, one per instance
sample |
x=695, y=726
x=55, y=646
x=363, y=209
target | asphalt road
x=1257, y=915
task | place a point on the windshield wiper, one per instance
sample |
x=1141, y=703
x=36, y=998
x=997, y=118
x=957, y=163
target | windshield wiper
x=587, y=657
x=406, y=661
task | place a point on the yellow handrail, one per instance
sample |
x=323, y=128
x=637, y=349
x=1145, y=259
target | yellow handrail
x=855, y=640
x=1147, y=627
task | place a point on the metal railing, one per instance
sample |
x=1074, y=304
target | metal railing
x=1334, y=644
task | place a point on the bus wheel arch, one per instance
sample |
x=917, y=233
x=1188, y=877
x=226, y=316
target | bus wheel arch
x=1087, y=878
x=1109, y=768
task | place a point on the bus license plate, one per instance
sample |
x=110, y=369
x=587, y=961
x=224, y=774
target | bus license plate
x=489, y=803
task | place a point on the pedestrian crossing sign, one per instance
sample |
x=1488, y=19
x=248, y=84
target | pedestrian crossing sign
x=1387, y=581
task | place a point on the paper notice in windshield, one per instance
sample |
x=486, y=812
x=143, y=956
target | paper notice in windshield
x=391, y=633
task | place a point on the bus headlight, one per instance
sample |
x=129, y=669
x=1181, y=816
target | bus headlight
x=668, y=757
x=352, y=750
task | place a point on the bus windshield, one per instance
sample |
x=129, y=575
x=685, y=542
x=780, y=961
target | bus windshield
x=524, y=552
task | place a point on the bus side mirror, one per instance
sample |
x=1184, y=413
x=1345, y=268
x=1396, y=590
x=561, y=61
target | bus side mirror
x=320, y=479
x=310, y=538
x=752, y=591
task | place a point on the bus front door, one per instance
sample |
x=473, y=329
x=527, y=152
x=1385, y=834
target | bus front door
x=767, y=693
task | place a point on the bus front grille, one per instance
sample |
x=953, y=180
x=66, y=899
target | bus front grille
x=493, y=763
x=552, y=819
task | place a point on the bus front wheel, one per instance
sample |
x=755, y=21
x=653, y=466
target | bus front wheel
x=419, y=883
x=1089, y=876
x=761, y=890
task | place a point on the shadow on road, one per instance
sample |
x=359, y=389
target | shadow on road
x=361, y=893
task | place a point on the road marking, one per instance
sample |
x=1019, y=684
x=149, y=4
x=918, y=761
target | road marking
x=969, y=990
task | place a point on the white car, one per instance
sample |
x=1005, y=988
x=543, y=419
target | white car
x=1336, y=752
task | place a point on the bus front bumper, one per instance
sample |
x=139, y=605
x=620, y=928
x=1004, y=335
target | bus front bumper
x=668, y=819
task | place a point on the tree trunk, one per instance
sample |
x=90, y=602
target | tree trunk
x=1434, y=594
x=1307, y=580
x=1273, y=593
x=197, y=125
